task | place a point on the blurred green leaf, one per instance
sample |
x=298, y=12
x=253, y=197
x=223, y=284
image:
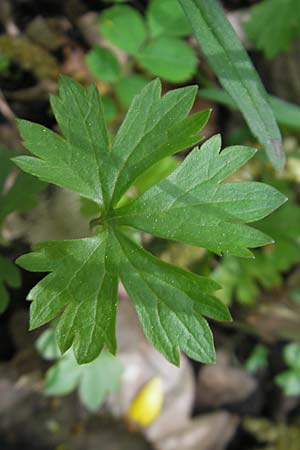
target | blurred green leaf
x=94, y=380
x=295, y=295
x=169, y=58
x=124, y=27
x=47, y=346
x=9, y=276
x=241, y=279
x=128, y=87
x=4, y=63
x=289, y=382
x=258, y=359
x=291, y=355
x=18, y=193
x=167, y=18
x=103, y=64
x=273, y=24
x=101, y=378
x=110, y=108
x=21, y=196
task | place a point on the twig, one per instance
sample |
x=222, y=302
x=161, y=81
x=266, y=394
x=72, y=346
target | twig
x=6, y=110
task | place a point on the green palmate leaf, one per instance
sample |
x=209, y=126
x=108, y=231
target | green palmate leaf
x=103, y=64
x=274, y=36
x=124, y=27
x=167, y=18
x=191, y=205
x=235, y=71
x=169, y=58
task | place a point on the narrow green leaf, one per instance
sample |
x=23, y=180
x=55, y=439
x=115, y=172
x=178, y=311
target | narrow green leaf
x=192, y=206
x=287, y=114
x=156, y=173
x=235, y=71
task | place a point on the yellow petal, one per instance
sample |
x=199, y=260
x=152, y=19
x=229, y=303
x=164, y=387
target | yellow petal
x=147, y=404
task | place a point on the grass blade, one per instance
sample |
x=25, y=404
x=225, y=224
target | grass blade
x=236, y=72
x=287, y=114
